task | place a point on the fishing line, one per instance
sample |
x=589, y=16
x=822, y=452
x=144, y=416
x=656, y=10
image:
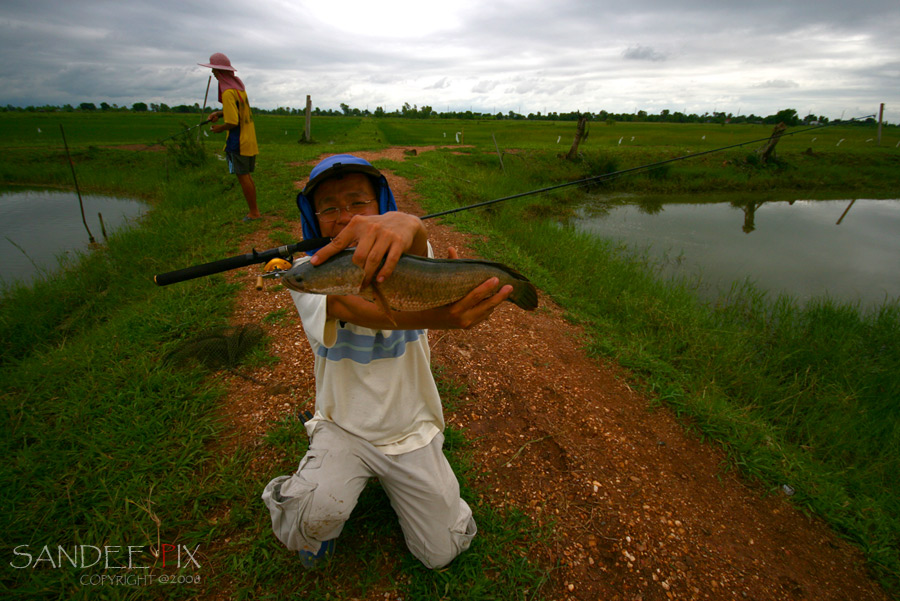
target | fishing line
x=614, y=174
x=184, y=131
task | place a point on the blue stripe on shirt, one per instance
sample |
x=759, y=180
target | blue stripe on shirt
x=233, y=142
x=365, y=348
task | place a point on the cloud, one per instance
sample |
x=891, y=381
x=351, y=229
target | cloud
x=778, y=84
x=439, y=84
x=483, y=87
x=643, y=53
x=521, y=55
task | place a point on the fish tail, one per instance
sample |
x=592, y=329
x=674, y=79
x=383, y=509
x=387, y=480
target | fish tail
x=524, y=295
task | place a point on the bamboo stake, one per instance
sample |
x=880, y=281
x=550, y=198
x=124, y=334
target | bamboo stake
x=500, y=156
x=102, y=227
x=205, y=96
x=77, y=190
x=845, y=211
x=203, y=110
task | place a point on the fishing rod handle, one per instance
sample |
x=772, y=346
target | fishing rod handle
x=199, y=271
x=236, y=262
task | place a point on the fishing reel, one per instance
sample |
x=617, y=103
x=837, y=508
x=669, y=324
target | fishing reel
x=273, y=269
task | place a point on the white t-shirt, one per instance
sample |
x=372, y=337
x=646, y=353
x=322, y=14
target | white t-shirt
x=375, y=384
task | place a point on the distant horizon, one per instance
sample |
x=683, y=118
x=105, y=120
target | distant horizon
x=716, y=114
x=828, y=58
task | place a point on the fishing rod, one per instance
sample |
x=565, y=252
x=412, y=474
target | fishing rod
x=205, y=96
x=286, y=252
x=184, y=131
x=252, y=258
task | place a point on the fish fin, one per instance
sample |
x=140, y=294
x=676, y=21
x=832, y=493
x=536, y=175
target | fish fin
x=524, y=295
x=505, y=268
x=382, y=303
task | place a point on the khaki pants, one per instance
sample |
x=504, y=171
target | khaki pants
x=311, y=505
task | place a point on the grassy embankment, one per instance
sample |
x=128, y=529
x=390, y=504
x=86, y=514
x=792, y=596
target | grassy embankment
x=803, y=396
x=108, y=447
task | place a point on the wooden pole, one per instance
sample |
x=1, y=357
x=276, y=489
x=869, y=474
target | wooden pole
x=880, y=116
x=102, y=227
x=306, y=132
x=203, y=110
x=77, y=191
x=845, y=211
x=579, y=136
x=767, y=151
x=500, y=156
x=205, y=97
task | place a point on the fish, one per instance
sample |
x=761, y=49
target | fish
x=417, y=283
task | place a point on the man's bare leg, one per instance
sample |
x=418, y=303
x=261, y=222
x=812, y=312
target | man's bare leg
x=249, y=189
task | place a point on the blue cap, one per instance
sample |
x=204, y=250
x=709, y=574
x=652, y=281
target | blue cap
x=333, y=166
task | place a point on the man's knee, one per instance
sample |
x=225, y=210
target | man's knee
x=324, y=520
x=439, y=551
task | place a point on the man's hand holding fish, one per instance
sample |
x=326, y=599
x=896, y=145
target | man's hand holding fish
x=377, y=238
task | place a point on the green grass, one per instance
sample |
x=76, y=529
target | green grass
x=106, y=445
x=798, y=395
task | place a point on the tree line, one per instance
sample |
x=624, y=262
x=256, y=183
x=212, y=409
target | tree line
x=789, y=117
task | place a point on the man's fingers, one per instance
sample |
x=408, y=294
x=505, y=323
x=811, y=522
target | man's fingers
x=499, y=297
x=478, y=305
x=337, y=244
x=395, y=252
x=481, y=292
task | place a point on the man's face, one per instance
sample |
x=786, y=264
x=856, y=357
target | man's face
x=352, y=194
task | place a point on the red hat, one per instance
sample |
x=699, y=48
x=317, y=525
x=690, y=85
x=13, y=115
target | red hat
x=219, y=61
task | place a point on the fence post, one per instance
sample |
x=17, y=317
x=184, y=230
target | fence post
x=306, y=132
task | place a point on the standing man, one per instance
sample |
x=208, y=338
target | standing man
x=240, y=146
x=378, y=412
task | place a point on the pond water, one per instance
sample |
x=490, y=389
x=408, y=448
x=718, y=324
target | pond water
x=795, y=247
x=38, y=227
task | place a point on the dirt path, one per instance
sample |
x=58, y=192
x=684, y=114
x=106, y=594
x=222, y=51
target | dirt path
x=641, y=509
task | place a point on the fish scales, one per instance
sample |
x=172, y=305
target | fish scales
x=417, y=283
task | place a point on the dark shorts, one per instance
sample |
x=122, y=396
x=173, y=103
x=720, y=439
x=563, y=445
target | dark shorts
x=240, y=164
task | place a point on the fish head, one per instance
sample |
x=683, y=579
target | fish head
x=338, y=275
x=296, y=278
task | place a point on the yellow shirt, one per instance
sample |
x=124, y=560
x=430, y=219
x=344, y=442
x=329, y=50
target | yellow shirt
x=236, y=111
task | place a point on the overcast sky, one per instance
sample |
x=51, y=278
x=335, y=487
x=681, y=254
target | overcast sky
x=825, y=57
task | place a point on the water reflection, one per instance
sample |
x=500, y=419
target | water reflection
x=800, y=247
x=650, y=206
x=40, y=227
x=750, y=215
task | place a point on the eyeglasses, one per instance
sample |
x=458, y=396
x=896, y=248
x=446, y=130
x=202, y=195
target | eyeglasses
x=333, y=213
